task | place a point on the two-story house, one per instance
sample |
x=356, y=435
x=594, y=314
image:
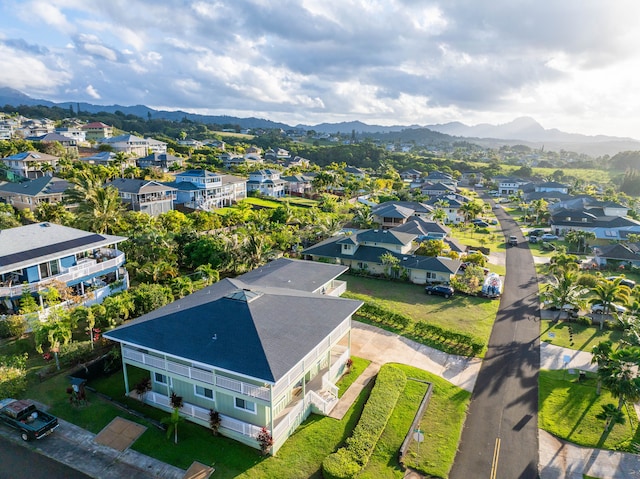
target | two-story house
x=130, y=144
x=30, y=164
x=451, y=205
x=162, y=161
x=29, y=194
x=32, y=256
x=298, y=185
x=394, y=213
x=96, y=131
x=509, y=185
x=69, y=144
x=263, y=350
x=204, y=190
x=364, y=250
x=267, y=182
x=146, y=196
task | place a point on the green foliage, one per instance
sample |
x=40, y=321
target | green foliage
x=72, y=354
x=148, y=297
x=12, y=326
x=471, y=280
x=389, y=385
x=13, y=381
x=376, y=314
x=28, y=304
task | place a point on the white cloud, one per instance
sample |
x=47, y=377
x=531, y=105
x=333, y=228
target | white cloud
x=92, y=92
x=26, y=73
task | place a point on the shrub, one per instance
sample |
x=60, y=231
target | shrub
x=12, y=326
x=349, y=460
x=74, y=353
x=13, y=381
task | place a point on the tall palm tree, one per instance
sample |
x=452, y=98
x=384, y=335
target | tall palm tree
x=621, y=375
x=101, y=211
x=563, y=290
x=601, y=356
x=607, y=292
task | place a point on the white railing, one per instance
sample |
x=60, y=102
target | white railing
x=178, y=369
x=338, y=288
x=191, y=410
x=243, y=388
x=292, y=420
x=338, y=365
x=90, y=268
x=299, y=369
x=319, y=402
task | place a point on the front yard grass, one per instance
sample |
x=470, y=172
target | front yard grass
x=568, y=410
x=584, y=337
x=357, y=368
x=465, y=314
x=442, y=426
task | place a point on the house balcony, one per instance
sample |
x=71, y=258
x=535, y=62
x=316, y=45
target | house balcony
x=138, y=358
x=337, y=288
x=86, y=267
x=199, y=414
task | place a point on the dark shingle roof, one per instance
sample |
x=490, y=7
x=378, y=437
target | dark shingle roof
x=262, y=338
x=45, y=185
x=128, y=185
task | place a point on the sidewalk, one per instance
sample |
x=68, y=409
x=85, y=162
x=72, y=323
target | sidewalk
x=75, y=447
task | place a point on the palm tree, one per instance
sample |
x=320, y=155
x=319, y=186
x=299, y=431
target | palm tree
x=208, y=273
x=611, y=415
x=601, y=356
x=607, y=292
x=470, y=209
x=102, y=211
x=564, y=290
x=620, y=376
x=561, y=262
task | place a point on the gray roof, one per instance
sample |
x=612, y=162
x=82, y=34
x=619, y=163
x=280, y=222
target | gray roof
x=418, y=226
x=262, y=333
x=45, y=185
x=128, y=185
x=295, y=274
x=393, y=211
x=33, y=244
x=384, y=237
x=371, y=254
x=416, y=206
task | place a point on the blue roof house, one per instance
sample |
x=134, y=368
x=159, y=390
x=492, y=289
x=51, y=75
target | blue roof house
x=263, y=350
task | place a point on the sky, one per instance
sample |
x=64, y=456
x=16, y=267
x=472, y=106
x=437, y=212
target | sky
x=569, y=64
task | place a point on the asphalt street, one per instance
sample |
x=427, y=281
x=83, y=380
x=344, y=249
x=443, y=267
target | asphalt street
x=20, y=462
x=500, y=436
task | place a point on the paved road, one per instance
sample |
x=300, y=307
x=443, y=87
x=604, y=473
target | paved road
x=500, y=436
x=18, y=461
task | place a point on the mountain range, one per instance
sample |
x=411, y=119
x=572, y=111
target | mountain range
x=523, y=130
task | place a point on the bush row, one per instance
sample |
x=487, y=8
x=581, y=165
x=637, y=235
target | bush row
x=349, y=460
x=12, y=326
x=444, y=339
x=457, y=342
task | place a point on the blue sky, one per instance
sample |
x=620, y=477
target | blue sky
x=570, y=64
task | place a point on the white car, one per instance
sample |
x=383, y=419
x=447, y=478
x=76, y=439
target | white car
x=599, y=308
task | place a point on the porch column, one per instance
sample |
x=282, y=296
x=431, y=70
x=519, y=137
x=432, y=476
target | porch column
x=124, y=371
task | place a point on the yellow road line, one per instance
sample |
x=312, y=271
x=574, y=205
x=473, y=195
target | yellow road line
x=496, y=455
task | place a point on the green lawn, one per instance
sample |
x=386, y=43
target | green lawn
x=442, y=424
x=584, y=337
x=358, y=366
x=261, y=202
x=568, y=409
x=465, y=314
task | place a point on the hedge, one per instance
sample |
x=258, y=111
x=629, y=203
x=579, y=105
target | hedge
x=444, y=339
x=349, y=460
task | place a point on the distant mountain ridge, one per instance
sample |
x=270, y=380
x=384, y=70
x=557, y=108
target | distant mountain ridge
x=523, y=130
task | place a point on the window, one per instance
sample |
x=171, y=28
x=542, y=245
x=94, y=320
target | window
x=203, y=392
x=245, y=405
x=160, y=378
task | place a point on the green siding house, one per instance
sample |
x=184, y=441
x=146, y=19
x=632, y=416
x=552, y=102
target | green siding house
x=263, y=350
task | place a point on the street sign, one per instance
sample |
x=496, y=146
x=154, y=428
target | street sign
x=418, y=436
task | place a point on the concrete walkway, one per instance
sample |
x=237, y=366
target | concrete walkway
x=557, y=459
x=75, y=447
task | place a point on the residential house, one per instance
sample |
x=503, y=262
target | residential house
x=191, y=143
x=440, y=177
x=69, y=144
x=104, y=158
x=298, y=185
x=6, y=131
x=231, y=159
x=162, y=161
x=423, y=230
x=35, y=127
x=276, y=154
x=29, y=194
x=451, y=205
x=552, y=186
x=267, y=183
x=436, y=189
x=204, y=190
x=130, y=144
x=364, y=250
x=146, y=196
x=356, y=172
x=471, y=178
x=411, y=175
x=393, y=213
x=30, y=164
x=624, y=255
x=97, y=131
x=296, y=161
x=156, y=146
x=75, y=133
x=264, y=350
x=509, y=185
x=33, y=256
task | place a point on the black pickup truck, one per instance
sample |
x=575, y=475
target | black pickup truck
x=24, y=416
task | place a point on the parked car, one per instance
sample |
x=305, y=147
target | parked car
x=533, y=239
x=440, y=290
x=623, y=281
x=513, y=240
x=548, y=237
x=599, y=308
x=496, y=206
x=537, y=232
x=481, y=223
x=30, y=422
